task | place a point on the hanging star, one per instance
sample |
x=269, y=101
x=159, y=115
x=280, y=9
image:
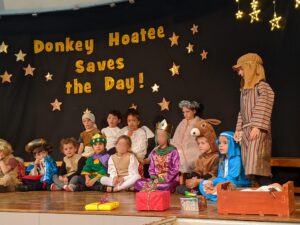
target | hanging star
x=56, y=105
x=190, y=48
x=28, y=70
x=297, y=4
x=3, y=47
x=48, y=76
x=204, y=55
x=174, y=69
x=239, y=14
x=164, y=104
x=20, y=56
x=155, y=88
x=254, y=4
x=87, y=111
x=254, y=15
x=133, y=106
x=6, y=77
x=174, y=39
x=194, y=29
x=275, y=22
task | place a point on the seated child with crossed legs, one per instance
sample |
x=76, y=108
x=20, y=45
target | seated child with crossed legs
x=122, y=167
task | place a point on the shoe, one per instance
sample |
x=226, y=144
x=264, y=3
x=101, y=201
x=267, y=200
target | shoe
x=55, y=187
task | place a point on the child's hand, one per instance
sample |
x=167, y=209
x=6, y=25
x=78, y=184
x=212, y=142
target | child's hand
x=189, y=183
x=211, y=191
x=155, y=181
x=120, y=180
x=237, y=136
x=65, y=180
x=37, y=162
x=87, y=181
x=254, y=134
x=207, y=185
x=115, y=180
x=61, y=178
x=130, y=133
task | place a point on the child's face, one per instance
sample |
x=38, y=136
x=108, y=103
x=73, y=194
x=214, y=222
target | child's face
x=122, y=146
x=40, y=155
x=223, y=145
x=112, y=120
x=203, y=145
x=161, y=137
x=133, y=122
x=69, y=149
x=99, y=147
x=188, y=114
x=88, y=124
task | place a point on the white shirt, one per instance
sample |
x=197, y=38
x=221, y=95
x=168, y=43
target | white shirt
x=111, y=134
x=225, y=167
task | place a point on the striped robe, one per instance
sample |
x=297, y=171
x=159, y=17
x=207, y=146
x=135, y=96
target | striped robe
x=255, y=111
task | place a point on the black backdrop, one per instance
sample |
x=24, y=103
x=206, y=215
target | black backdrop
x=26, y=112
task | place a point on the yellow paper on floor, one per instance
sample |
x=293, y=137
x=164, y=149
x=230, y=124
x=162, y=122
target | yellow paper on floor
x=102, y=206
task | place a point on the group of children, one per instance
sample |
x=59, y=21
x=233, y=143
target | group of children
x=194, y=160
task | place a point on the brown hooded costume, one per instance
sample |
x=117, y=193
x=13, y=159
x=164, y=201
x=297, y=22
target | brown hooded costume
x=256, y=104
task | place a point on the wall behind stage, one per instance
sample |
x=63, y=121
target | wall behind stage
x=26, y=112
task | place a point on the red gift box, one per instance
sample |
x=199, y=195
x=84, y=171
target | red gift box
x=156, y=200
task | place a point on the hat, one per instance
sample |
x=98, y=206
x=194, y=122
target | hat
x=36, y=145
x=89, y=115
x=98, y=138
x=5, y=147
x=247, y=58
x=189, y=104
x=163, y=125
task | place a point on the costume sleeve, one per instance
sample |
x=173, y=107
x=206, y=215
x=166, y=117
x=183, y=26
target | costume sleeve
x=104, y=160
x=50, y=169
x=62, y=169
x=133, y=168
x=173, y=166
x=80, y=166
x=261, y=114
x=239, y=123
x=112, y=171
x=140, y=144
x=213, y=170
x=151, y=169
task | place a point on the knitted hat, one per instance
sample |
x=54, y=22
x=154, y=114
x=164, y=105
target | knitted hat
x=5, y=147
x=252, y=66
x=204, y=128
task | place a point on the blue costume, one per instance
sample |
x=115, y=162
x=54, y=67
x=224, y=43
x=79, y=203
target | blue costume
x=230, y=167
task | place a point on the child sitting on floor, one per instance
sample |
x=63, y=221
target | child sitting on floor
x=139, y=136
x=71, y=168
x=88, y=121
x=112, y=130
x=230, y=167
x=207, y=162
x=122, y=167
x=95, y=166
x=43, y=169
x=9, y=176
x=164, y=161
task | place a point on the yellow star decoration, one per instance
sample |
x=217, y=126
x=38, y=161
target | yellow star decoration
x=48, y=76
x=133, y=106
x=297, y=4
x=20, y=56
x=239, y=14
x=56, y=105
x=190, y=48
x=28, y=70
x=275, y=22
x=174, y=39
x=6, y=77
x=254, y=15
x=174, y=69
x=164, y=104
x=87, y=111
x=155, y=88
x=194, y=29
x=204, y=54
x=3, y=47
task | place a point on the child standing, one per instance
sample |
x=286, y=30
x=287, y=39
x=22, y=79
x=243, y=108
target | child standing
x=122, y=167
x=111, y=132
x=95, y=166
x=8, y=168
x=164, y=161
x=230, y=167
x=183, y=141
x=207, y=163
x=253, y=127
x=73, y=163
x=139, y=136
x=43, y=169
x=89, y=123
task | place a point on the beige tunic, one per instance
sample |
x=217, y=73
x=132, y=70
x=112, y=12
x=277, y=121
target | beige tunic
x=72, y=164
x=9, y=179
x=255, y=111
x=121, y=164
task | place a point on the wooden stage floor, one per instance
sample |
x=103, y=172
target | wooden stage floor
x=73, y=203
